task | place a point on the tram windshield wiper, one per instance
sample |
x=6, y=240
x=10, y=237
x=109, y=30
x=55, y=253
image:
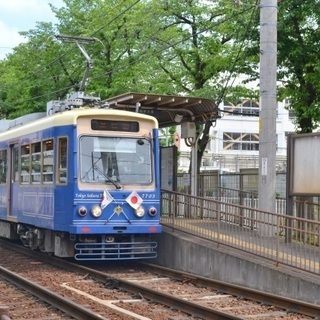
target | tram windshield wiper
x=117, y=185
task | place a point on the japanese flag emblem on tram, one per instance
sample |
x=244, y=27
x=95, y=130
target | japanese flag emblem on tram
x=106, y=199
x=134, y=200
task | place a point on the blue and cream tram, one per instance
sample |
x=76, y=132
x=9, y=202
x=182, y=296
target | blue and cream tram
x=82, y=183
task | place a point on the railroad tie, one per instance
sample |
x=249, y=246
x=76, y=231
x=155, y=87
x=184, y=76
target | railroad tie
x=4, y=313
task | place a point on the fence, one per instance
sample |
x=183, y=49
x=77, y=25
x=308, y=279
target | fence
x=209, y=181
x=236, y=222
x=243, y=188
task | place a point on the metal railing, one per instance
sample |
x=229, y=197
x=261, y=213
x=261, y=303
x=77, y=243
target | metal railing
x=308, y=207
x=283, y=239
x=208, y=182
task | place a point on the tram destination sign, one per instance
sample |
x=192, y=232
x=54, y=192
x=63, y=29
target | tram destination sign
x=110, y=125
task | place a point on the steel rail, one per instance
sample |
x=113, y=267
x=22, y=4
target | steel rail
x=149, y=294
x=289, y=304
x=63, y=304
x=153, y=295
x=259, y=296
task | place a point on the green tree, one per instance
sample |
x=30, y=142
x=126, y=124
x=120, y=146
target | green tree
x=123, y=58
x=178, y=47
x=299, y=60
x=29, y=75
x=197, y=45
x=168, y=136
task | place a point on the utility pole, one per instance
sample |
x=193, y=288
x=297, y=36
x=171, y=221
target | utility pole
x=268, y=105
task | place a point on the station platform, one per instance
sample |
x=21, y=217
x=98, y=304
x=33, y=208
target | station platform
x=186, y=252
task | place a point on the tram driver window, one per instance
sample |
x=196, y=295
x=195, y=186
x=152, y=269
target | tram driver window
x=115, y=159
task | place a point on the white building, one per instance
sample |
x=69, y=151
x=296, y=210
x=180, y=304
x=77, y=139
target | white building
x=234, y=141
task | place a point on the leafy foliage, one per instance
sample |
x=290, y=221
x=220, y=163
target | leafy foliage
x=166, y=47
x=298, y=60
x=187, y=47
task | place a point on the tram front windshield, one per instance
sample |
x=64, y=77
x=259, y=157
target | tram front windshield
x=115, y=159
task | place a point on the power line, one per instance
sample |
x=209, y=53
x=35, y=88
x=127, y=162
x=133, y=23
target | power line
x=72, y=49
x=223, y=93
x=141, y=56
x=146, y=53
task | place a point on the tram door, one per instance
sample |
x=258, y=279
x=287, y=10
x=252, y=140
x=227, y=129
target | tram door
x=13, y=180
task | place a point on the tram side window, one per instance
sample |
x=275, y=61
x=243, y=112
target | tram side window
x=3, y=166
x=36, y=162
x=62, y=161
x=47, y=151
x=25, y=164
x=15, y=164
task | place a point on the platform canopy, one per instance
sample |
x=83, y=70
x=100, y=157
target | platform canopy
x=169, y=110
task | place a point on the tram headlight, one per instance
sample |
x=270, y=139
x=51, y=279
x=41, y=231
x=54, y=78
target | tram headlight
x=82, y=211
x=153, y=211
x=96, y=211
x=139, y=212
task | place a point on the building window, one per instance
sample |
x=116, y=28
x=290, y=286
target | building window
x=244, y=108
x=240, y=141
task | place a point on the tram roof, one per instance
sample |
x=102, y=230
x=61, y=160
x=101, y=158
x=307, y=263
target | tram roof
x=169, y=110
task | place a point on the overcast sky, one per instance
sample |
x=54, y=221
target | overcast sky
x=22, y=15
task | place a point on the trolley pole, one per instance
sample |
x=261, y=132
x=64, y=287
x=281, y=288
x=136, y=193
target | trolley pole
x=268, y=105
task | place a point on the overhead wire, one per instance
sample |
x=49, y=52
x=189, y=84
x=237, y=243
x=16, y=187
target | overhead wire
x=61, y=56
x=146, y=53
x=141, y=56
x=72, y=49
x=164, y=49
x=224, y=90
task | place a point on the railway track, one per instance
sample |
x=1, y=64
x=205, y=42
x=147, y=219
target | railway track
x=21, y=304
x=144, y=291
x=68, y=308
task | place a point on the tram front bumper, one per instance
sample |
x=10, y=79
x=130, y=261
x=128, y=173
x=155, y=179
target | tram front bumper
x=114, y=229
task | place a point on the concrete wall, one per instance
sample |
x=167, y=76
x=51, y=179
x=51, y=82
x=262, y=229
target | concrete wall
x=190, y=254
